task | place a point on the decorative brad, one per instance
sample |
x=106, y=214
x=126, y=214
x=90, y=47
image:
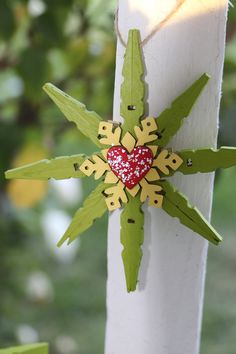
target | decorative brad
x=133, y=163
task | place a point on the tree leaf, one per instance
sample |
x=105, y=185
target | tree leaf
x=31, y=58
x=93, y=208
x=58, y=168
x=176, y=205
x=172, y=118
x=132, y=236
x=133, y=87
x=207, y=160
x=86, y=121
x=40, y=348
x=7, y=20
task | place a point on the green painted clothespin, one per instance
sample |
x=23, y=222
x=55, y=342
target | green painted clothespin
x=120, y=144
x=39, y=348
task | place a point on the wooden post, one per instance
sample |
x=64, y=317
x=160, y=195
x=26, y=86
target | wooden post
x=164, y=315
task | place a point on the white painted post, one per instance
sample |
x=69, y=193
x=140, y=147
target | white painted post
x=164, y=315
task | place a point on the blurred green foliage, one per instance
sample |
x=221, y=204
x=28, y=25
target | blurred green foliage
x=71, y=43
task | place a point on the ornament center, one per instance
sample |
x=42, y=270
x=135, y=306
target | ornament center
x=130, y=168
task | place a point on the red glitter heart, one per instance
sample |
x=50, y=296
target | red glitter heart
x=130, y=168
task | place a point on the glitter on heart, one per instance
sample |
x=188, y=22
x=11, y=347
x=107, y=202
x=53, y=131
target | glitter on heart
x=130, y=168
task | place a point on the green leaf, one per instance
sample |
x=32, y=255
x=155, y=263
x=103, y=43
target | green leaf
x=207, y=160
x=58, y=168
x=176, y=205
x=86, y=121
x=7, y=20
x=49, y=26
x=172, y=118
x=93, y=208
x=133, y=87
x=40, y=348
x=30, y=59
x=132, y=236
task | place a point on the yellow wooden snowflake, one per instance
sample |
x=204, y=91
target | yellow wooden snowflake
x=130, y=165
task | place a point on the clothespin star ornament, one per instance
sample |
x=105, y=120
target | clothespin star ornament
x=133, y=164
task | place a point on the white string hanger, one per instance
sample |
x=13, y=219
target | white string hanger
x=154, y=30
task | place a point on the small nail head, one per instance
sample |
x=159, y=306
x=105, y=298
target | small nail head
x=189, y=162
